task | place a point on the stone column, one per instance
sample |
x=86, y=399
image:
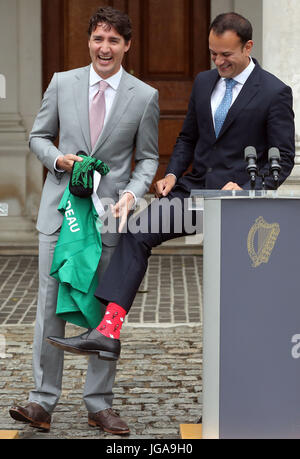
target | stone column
x=281, y=38
x=276, y=33
x=21, y=174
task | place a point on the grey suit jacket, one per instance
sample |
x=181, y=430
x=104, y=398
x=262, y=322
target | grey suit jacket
x=130, y=131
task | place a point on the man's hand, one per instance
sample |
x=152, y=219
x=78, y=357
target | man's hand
x=122, y=208
x=231, y=186
x=66, y=162
x=164, y=186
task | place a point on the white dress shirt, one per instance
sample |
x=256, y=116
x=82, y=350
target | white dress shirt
x=220, y=88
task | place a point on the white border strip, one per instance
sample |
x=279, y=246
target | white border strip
x=211, y=318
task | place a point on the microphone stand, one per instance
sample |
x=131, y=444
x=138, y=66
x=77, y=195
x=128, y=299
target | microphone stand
x=263, y=180
x=253, y=170
x=251, y=156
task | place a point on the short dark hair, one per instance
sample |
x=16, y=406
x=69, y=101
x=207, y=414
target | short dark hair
x=234, y=22
x=113, y=18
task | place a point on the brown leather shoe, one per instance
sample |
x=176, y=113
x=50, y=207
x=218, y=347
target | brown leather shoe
x=34, y=414
x=109, y=421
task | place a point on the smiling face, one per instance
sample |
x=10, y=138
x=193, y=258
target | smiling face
x=228, y=53
x=107, y=48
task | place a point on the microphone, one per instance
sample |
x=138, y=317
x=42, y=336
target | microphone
x=250, y=157
x=275, y=168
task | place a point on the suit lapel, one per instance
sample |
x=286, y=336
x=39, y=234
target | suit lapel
x=212, y=83
x=249, y=90
x=81, y=94
x=123, y=96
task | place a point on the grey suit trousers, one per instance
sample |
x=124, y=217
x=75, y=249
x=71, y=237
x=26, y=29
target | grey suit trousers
x=48, y=360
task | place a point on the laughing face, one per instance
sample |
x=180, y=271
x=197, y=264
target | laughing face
x=107, y=49
x=228, y=53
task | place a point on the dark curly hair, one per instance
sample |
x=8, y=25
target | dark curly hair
x=113, y=18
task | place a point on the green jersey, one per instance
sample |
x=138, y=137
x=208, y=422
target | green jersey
x=75, y=261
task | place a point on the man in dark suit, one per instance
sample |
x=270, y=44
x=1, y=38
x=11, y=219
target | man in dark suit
x=236, y=105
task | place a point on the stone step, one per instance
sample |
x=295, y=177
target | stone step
x=31, y=248
x=9, y=434
x=17, y=248
x=17, y=231
x=191, y=431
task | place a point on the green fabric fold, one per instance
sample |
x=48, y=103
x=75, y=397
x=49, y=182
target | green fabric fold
x=75, y=262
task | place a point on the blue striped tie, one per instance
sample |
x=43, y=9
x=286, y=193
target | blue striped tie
x=224, y=106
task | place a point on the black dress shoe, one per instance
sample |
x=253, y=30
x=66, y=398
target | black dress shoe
x=90, y=342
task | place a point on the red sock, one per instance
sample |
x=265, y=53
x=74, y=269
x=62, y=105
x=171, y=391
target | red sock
x=112, y=321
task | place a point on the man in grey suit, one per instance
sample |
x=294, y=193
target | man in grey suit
x=130, y=128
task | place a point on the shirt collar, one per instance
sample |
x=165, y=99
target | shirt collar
x=244, y=75
x=113, y=81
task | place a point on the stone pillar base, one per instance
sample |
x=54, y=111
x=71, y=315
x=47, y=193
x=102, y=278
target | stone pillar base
x=18, y=236
x=17, y=229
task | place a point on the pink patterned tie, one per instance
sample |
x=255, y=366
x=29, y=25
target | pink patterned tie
x=97, y=112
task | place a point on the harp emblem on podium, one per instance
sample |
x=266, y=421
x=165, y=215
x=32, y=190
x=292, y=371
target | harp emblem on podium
x=262, y=238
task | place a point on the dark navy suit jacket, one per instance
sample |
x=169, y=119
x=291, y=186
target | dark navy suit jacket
x=261, y=116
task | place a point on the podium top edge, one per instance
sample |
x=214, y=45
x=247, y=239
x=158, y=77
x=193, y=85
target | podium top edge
x=226, y=194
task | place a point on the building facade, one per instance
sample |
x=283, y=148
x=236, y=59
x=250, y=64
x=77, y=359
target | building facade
x=23, y=60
